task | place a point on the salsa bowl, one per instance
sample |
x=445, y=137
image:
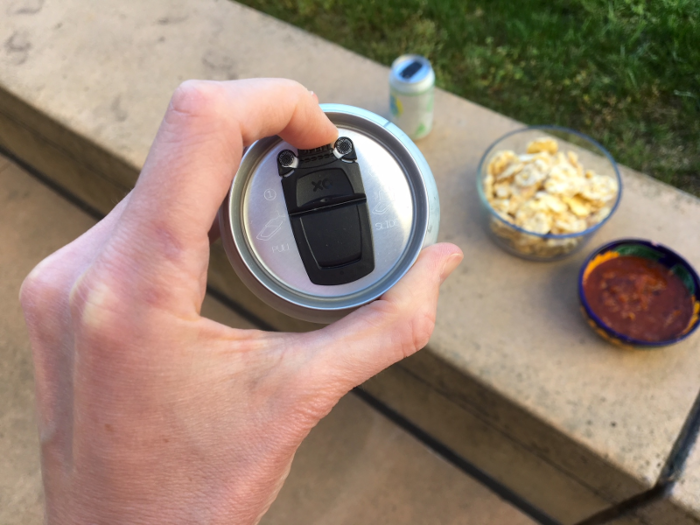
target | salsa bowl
x=638, y=293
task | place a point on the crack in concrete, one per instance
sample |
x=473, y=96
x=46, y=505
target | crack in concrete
x=25, y=7
x=18, y=46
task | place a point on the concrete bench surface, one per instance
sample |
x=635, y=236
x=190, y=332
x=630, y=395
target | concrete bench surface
x=512, y=379
x=354, y=467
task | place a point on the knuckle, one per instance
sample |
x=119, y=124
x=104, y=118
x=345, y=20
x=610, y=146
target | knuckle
x=422, y=326
x=412, y=328
x=40, y=287
x=295, y=87
x=94, y=303
x=310, y=411
x=312, y=399
x=384, y=310
x=197, y=99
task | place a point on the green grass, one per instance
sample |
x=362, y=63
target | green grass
x=626, y=72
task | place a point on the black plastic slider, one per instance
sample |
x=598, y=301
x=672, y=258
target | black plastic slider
x=328, y=212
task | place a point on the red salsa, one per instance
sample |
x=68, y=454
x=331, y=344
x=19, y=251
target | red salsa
x=639, y=298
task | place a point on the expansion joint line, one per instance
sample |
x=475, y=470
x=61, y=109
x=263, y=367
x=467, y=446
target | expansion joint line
x=457, y=460
x=53, y=186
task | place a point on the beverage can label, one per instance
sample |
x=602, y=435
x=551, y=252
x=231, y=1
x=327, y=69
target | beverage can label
x=412, y=94
x=413, y=113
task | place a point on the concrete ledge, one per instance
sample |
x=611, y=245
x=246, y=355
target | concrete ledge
x=488, y=448
x=71, y=160
x=512, y=379
x=682, y=505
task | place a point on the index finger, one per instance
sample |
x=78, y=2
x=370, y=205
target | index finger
x=198, y=148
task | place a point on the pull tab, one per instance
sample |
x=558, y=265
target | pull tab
x=328, y=212
x=411, y=69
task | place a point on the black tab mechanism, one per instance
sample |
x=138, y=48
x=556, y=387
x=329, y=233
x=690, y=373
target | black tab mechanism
x=328, y=212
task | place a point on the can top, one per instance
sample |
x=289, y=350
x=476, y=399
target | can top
x=394, y=175
x=412, y=74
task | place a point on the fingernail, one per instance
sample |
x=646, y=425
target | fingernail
x=449, y=265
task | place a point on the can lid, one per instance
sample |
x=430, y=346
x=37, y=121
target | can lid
x=412, y=74
x=395, y=178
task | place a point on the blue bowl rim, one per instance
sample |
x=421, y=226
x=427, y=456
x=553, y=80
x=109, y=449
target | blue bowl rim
x=595, y=227
x=622, y=337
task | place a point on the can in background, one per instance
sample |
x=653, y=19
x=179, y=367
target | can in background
x=412, y=90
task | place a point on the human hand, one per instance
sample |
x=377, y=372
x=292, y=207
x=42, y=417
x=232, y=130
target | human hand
x=150, y=413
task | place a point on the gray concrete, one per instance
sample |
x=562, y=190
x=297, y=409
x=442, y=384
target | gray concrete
x=355, y=466
x=82, y=89
x=686, y=493
x=682, y=506
x=20, y=476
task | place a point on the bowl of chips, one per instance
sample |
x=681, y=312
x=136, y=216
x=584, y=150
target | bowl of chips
x=546, y=190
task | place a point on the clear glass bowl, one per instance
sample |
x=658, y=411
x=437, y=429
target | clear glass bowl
x=545, y=246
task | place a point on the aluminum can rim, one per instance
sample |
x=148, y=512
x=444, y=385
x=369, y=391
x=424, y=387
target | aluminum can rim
x=325, y=309
x=416, y=85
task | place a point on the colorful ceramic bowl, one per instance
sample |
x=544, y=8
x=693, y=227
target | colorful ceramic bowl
x=647, y=250
x=549, y=246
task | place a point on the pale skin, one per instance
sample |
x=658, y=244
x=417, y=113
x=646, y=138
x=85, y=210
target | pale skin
x=149, y=413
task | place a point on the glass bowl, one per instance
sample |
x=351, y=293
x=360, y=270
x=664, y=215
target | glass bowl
x=647, y=250
x=557, y=234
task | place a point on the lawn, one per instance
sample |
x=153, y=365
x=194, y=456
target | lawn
x=626, y=72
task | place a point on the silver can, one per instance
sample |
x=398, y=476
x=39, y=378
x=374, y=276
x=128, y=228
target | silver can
x=411, y=95
x=318, y=233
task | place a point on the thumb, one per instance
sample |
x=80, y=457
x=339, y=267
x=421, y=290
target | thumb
x=400, y=323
